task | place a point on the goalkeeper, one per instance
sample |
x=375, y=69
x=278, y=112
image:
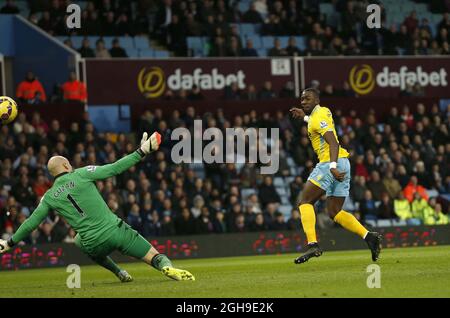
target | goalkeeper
x=74, y=195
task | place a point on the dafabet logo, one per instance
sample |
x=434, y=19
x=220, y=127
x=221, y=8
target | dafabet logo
x=363, y=78
x=152, y=81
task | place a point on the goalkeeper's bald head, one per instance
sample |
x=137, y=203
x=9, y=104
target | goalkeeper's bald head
x=58, y=164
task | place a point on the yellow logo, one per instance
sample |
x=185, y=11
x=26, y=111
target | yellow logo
x=151, y=83
x=362, y=79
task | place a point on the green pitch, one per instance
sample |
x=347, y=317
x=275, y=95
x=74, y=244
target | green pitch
x=407, y=272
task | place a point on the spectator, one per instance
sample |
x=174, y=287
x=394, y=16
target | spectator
x=117, y=50
x=411, y=22
x=435, y=216
x=86, y=50
x=418, y=206
x=292, y=49
x=367, y=207
x=10, y=8
x=267, y=92
x=232, y=92
x=386, y=207
x=294, y=223
x=45, y=234
x=167, y=226
x=375, y=185
x=74, y=90
x=30, y=90
x=249, y=50
x=195, y=94
x=277, y=50
x=268, y=193
x=288, y=90
x=259, y=224
x=402, y=207
x=412, y=188
x=278, y=224
x=219, y=223
x=101, y=51
x=250, y=93
x=252, y=15
x=391, y=185
x=296, y=187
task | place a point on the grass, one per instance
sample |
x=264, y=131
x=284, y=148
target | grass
x=405, y=272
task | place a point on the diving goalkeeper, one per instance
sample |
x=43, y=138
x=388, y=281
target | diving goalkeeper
x=74, y=196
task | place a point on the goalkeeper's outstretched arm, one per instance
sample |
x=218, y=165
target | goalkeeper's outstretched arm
x=27, y=227
x=148, y=145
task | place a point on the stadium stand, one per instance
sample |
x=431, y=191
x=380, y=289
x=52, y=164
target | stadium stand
x=390, y=185
x=211, y=19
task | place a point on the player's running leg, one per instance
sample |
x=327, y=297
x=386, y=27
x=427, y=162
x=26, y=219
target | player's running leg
x=105, y=262
x=131, y=243
x=109, y=264
x=310, y=194
x=162, y=263
x=350, y=223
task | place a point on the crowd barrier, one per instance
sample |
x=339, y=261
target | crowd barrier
x=225, y=245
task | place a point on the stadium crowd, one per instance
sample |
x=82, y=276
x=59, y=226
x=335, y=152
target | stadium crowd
x=170, y=22
x=399, y=169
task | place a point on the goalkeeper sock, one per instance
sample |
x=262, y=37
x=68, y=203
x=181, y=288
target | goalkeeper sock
x=159, y=261
x=308, y=218
x=107, y=263
x=349, y=222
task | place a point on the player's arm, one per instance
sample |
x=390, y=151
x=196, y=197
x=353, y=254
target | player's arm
x=298, y=113
x=334, y=152
x=148, y=145
x=27, y=227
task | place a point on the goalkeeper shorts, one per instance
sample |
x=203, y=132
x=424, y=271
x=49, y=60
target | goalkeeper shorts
x=123, y=239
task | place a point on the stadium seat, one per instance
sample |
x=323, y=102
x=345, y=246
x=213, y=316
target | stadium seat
x=281, y=191
x=256, y=39
x=384, y=223
x=371, y=223
x=288, y=180
x=141, y=42
x=132, y=52
x=196, y=44
x=126, y=41
x=77, y=41
x=145, y=53
x=267, y=42
x=243, y=6
x=245, y=192
x=247, y=29
x=262, y=52
x=301, y=42
x=284, y=41
x=398, y=222
x=285, y=210
x=278, y=182
x=161, y=54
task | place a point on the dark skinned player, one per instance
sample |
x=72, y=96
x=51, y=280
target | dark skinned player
x=331, y=176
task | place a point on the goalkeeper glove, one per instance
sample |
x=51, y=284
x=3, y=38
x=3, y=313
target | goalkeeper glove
x=4, y=246
x=151, y=144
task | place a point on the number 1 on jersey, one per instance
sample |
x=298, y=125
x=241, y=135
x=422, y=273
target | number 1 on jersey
x=76, y=206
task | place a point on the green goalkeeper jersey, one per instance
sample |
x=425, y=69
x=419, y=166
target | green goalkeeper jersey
x=74, y=196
